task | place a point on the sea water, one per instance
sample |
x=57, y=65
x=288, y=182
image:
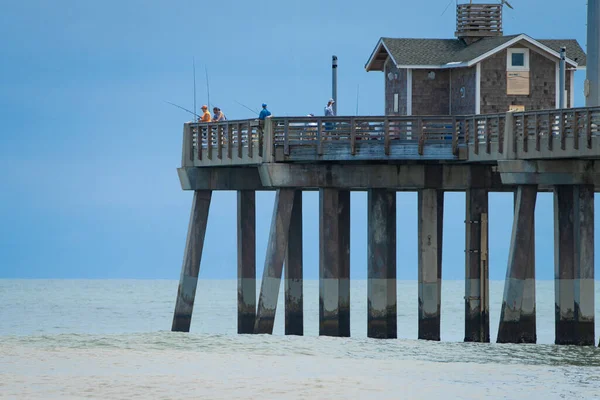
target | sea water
x=110, y=339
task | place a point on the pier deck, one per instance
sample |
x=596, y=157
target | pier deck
x=521, y=152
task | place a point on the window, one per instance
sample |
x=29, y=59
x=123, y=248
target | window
x=395, y=102
x=517, y=59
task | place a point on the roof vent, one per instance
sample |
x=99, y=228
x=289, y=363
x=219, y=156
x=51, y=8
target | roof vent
x=475, y=21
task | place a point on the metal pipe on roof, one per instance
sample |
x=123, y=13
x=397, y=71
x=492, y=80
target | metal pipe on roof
x=592, y=82
x=561, y=78
x=334, y=83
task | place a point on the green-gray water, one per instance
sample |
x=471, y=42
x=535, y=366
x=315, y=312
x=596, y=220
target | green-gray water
x=110, y=339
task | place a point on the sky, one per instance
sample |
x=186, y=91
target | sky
x=89, y=148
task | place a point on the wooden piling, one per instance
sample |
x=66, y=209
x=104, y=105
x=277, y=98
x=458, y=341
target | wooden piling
x=477, y=321
x=517, y=318
x=334, y=262
x=294, y=316
x=188, y=280
x=584, y=264
x=278, y=239
x=246, y=251
x=431, y=215
x=381, y=286
x=564, y=265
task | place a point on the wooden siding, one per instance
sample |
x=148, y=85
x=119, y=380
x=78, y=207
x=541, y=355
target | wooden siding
x=396, y=85
x=462, y=77
x=542, y=95
x=430, y=96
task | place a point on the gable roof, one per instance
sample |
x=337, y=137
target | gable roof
x=453, y=53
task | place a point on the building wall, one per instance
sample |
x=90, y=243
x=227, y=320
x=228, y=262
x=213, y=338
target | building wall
x=542, y=81
x=462, y=78
x=396, y=85
x=430, y=96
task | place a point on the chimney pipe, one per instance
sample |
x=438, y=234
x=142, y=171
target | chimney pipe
x=592, y=87
x=334, y=83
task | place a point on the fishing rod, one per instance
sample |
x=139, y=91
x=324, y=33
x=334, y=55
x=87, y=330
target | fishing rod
x=246, y=107
x=207, y=88
x=194, y=64
x=183, y=108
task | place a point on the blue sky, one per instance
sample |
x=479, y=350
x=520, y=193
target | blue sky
x=89, y=149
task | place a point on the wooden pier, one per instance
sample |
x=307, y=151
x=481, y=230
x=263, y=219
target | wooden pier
x=521, y=152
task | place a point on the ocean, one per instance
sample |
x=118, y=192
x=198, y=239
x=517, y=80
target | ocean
x=110, y=339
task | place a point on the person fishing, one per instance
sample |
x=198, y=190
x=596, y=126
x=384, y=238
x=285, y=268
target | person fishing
x=218, y=115
x=264, y=113
x=205, y=115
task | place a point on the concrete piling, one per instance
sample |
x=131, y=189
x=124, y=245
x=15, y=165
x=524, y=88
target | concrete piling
x=334, y=262
x=477, y=321
x=276, y=250
x=574, y=264
x=246, y=251
x=431, y=215
x=188, y=280
x=294, y=317
x=517, y=318
x=584, y=261
x=381, y=286
x=564, y=265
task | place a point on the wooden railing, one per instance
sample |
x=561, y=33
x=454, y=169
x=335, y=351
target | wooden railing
x=563, y=133
x=348, y=137
x=572, y=128
x=237, y=141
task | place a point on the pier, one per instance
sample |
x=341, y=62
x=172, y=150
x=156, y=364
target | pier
x=554, y=150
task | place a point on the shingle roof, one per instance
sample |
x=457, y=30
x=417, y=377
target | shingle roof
x=574, y=50
x=439, y=52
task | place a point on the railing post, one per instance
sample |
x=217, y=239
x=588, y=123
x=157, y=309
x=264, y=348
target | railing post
x=352, y=136
x=550, y=131
x=249, y=133
x=386, y=136
x=268, y=143
x=240, y=140
x=588, y=129
x=219, y=141
x=455, y=132
x=575, y=127
x=537, y=133
x=488, y=136
x=229, y=141
x=209, y=141
x=187, y=153
x=319, y=137
x=563, y=136
x=421, y=136
x=525, y=133
x=286, y=137
x=509, y=136
x=476, y=135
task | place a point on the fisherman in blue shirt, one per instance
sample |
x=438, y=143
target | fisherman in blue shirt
x=264, y=113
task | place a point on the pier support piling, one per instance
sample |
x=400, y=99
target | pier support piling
x=188, y=280
x=381, y=286
x=517, y=318
x=584, y=261
x=574, y=264
x=294, y=316
x=276, y=250
x=431, y=215
x=477, y=321
x=334, y=262
x=246, y=251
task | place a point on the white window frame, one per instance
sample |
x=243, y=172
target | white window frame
x=517, y=50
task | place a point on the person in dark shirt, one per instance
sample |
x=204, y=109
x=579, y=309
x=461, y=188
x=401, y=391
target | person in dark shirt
x=264, y=113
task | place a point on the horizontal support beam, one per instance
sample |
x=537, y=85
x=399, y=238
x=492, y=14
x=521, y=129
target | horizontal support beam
x=550, y=172
x=220, y=178
x=373, y=176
